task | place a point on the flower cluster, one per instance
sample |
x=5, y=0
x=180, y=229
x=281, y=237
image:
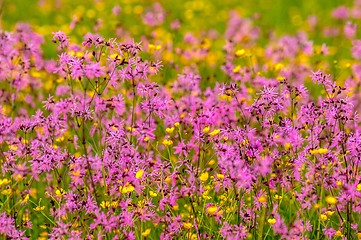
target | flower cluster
x=106, y=141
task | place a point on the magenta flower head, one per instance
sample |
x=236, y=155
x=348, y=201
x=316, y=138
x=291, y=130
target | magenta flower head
x=61, y=39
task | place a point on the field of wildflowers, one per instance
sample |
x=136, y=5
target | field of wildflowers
x=180, y=119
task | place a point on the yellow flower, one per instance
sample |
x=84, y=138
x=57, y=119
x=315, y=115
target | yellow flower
x=323, y=217
x=331, y=200
x=262, y=199
x=26, y=198
x=338, y=234
x=176, y=124
x=38, y=208
x=215, y=132
x=105, y=204
x=6, y=191
x=277, y=197
x=114, y=56
x=240, y=52
x=358, y=188
x=271, y=221
x=139, y=174
x=206, y=129
x=329, y=213
x=319, y=151
x=60, y=139
x=25, y=217
x=169, y=130
x=211, y=162
x=236, y=68
x=220, y=176
x=322, y=150
x=13, y=147
x=4, y=181
x=191, y=236
x=168, y=180
x=212, y=210
x=187, y=225
x=114, y=204
x=76, y=173
x=167, y=142
x=287, y=145
x=59, y=192
x=127, y=188
x=153, y=194
x=204, y=177
x=146, y=232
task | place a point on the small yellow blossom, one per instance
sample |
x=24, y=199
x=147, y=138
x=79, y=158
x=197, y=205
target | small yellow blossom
x=13, y=147
x=271, y=221
x=126, y=188
x=204, y=177
x=4, y=181
x=358, y=187
x=26, y=198
x=26, y=217
x=220, y=176
x=146, y=139
x=59, y=192
x=212, y=210
x=139, y=174
x=169, y=130
x=6, y=191
x=146, y=232
x=240, y=52
x=167, y=142
x=153, y=194
x=114, y=204
x=60, y=139
x=114, y=56
x=176, y=124
x=168, y=180
x=279, y=66
x=154, y=47
x=187, y=225
x=244, y=143
x=39, y=208
x=211, y=162
x=323, y=217
x=287, y=145
x=338, y=234
x=331, y=200
x=329, y=213
x=262, y=199
x=206, y=129
x=215, y=132
x=277, y=197
x=236, y=68
x=105, y=204
x=191, y=236
x=76, y=173
x=319, y=151
x=130, y=129
x=79, y=54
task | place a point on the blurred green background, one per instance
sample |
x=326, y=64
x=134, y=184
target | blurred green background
x=272, y=17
